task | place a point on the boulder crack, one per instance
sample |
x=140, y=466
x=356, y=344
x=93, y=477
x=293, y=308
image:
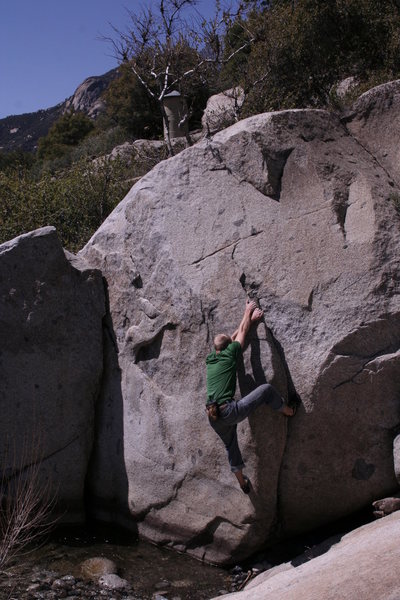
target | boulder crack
x=206, y=537
x=162, y=503
x=272, y=165
x=292, y=398
x=8, y=476
x=234, y=244
x=199, y=260
x=364, y=366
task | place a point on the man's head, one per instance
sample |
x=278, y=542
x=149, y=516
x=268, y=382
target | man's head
x=221, y=341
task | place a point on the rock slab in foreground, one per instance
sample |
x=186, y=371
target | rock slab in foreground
x=363, y=564
x=288, y=206
x=51, y=357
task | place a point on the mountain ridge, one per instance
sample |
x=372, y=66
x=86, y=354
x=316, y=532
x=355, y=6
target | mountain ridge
x=22, y=132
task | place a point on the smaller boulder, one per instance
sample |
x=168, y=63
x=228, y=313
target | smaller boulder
x=98, y=566
x=386, y=506
x=222, y=110
x=113, y=582
x=345, y=86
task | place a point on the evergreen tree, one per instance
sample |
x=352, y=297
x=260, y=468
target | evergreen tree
x=131, y=107
x=304, y=47
x=67, y=132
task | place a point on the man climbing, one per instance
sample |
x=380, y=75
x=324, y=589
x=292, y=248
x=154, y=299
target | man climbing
x=223, y=411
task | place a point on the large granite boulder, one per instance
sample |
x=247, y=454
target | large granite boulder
x=51, y=358
x=363, y=564
x=291, y=208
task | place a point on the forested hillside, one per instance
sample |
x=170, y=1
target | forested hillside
x=284, y=54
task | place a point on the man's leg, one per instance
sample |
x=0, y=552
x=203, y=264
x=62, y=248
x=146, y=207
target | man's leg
x=240, y=477
x=263, y=394
x=243, y=482
x=236, y=412
x=228, y=434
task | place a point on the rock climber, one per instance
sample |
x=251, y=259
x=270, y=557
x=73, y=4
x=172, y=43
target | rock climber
x=223, y=411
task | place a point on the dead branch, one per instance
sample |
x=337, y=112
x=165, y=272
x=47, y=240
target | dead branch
x=164, y=52
x=26, y=501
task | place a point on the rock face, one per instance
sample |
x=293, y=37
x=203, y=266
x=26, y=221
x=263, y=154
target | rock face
x=50, y=364
x=87, y=96
x=289, y=207
x=364, y=564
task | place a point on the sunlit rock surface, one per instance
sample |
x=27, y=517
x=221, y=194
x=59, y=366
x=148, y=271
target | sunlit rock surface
x=292, y=208
x=362, y=564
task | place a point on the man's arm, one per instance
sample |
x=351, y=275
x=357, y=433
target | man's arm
x=251, y=314
x=250, y=306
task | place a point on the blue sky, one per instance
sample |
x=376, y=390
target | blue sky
x=48, y=47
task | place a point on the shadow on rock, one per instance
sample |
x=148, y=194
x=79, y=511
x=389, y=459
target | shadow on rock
x=107, y=481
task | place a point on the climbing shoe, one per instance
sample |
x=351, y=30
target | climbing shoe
x=246, y=486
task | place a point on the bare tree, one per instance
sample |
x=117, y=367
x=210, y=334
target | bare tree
x=167, y=52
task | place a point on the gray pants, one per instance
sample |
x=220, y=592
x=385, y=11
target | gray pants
x=235, y=412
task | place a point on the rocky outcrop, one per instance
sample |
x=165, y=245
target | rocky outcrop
x=87, y=96
x=292, y=208
x=363, y=564
x=146, y=150
x=22, y=132
x=51, y=309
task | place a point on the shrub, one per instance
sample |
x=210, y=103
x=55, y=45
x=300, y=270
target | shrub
x=305, y=47
x=130, y=106
x=17, y=159
x=68, y=131
x=26, y=501
x=75, y=201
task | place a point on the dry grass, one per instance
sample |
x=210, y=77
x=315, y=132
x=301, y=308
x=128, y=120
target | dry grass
x=27, y=499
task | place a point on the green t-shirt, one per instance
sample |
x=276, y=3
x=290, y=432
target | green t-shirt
x=221, y=373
